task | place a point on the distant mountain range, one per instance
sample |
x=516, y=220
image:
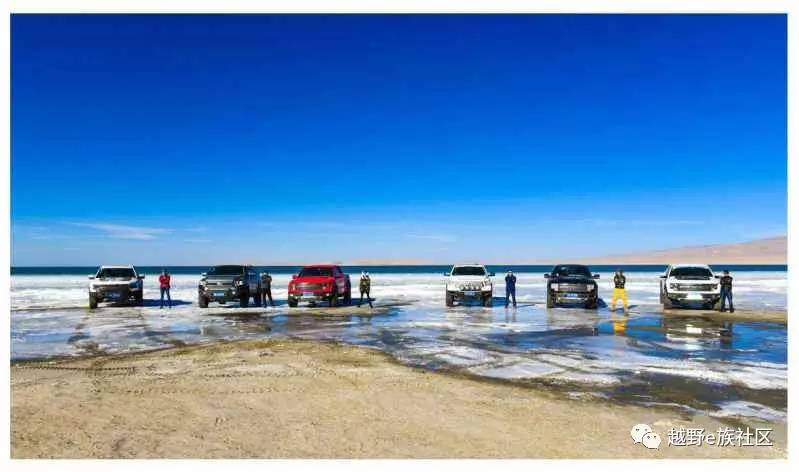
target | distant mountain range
x=760, y=251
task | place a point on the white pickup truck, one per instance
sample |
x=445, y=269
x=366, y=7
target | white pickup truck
x=689, y=284
x=469, y=282
x=116, y=284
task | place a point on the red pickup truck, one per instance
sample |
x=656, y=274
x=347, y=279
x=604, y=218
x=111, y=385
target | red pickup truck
x=317, y=283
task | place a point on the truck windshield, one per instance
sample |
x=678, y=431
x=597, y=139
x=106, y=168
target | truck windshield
x=571, y=271
x=691, y=273
x=468, y=271
x=226, y=270
x=114, y=273
x=316, y=272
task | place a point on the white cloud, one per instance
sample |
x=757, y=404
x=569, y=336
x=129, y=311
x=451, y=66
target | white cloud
x=125, y=231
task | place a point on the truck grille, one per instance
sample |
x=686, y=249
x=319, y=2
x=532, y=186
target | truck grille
x=572, y=288
x=695, y=287
x=212, y=283
x=308, y=287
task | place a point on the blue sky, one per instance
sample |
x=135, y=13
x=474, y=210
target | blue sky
x=287, y=139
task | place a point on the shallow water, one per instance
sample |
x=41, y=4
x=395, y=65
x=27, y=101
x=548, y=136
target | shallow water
x=689, y=362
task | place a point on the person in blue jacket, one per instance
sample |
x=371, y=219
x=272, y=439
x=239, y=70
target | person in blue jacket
x=510, y=288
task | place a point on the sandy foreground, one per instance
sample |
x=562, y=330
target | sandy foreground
x=303, y=399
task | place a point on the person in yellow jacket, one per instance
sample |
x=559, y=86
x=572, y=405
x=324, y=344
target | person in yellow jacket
x=619, y=281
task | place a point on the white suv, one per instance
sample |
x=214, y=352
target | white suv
x=469, y=282
x=116, y=284
x=689, y=284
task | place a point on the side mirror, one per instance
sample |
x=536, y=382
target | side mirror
x=446, y=274
x=662, y=276
x=204, y=274
x=717, y=276
x=596, y=276
x=546, y=276
x=293, y=276
x=141, y=277
x=492, y=274
x=91, y=277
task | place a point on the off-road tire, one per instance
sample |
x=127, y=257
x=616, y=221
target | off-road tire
x=716, y=305
x=244, y=301
x=92, y=302
x=348, y=296
x=591, y=305
x=332, y=301
x=550, y=300
x=667, y=303
x=488, y=301
x=139, y=298
x=292, y=302
x=449, y=299
x=257, y=299
x=202, y=301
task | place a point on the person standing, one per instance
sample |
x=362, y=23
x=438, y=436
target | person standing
x=266, y=288
x=365, y=287
x=165, y=282
x=619, y=290
x=510, y=288
x=726, y=290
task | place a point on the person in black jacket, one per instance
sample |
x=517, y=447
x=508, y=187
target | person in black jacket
x=266, y=288
x=726, y=290
x=510, y=288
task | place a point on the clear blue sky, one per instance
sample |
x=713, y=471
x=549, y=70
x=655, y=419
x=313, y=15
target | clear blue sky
x=287, y=139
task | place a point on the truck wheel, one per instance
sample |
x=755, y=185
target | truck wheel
x=257, y=299
x=667, y=303
x=92, y=301
x=450, y=300
x=550, y=301
x=333, y=299
x=348, y=296
x=716, y=305
x=202, y=301
x=244, y=301
x=488, y=301
x=139, y=299
x=292, y=302
x=591, y=305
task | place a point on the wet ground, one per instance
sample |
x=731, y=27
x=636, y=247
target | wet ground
x=690, y=360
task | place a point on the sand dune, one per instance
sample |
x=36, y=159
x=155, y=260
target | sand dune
x=760, y=251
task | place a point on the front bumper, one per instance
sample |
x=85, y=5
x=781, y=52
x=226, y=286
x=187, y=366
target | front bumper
x=704, y=297
x=114, y=292
x=221, y=293
x=566, y=297
x=315, y=296
x=469, y=294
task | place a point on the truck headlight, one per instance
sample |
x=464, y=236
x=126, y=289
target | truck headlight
x=555, y=287
x=589, y=288
x=133, y=285
x=673, y=286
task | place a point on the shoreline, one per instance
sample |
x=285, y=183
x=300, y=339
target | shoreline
x=297, y=398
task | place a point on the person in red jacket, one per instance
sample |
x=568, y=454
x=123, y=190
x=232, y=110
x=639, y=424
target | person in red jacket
x=165, y=280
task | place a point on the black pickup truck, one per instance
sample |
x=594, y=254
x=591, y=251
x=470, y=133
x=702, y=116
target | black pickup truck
x=572, y=284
